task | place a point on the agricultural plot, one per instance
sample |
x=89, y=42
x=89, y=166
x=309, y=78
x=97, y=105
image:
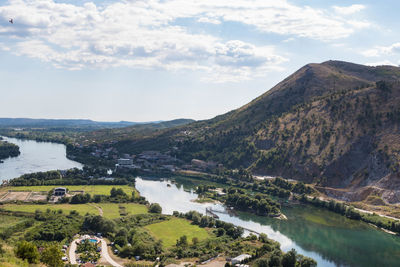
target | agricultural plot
x=15, y=196
x=171, y=230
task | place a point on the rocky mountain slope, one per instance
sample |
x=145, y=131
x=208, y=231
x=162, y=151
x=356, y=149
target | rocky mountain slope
x=336, y=124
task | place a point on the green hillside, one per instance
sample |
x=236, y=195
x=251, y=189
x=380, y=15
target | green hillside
x=335, y=124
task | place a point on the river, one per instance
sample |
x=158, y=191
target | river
x=35, y=156
x=330, y=239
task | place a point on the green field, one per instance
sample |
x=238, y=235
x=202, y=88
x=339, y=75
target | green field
x=171, y=230
x=112, y=210
x=91, y=189
x=81, y=208
x=9, y=221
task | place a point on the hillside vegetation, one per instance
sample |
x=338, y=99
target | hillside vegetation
x=335, y=124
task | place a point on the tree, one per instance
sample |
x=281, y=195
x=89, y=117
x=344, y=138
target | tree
x=121, y=241
x=195, y=241
x=262, y=262
x=27, y=251
x=155, y=208
x=289, y=259
x=98, y=224
x=182, y=241
x=307, y=262
x=220, y=231
x=118, y=193
x=52, y=256
x=263, y=238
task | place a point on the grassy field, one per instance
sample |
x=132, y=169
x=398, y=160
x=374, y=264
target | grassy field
x=91, y=189
x=112, y=210
x=81, y=208
x=171, y=230
x=8, y=258
x=9, y=221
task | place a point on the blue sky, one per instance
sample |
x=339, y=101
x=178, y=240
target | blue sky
x=165, y=59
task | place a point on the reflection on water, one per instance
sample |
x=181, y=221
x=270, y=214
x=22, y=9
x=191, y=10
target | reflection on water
x=35, y=157
x=331, y=239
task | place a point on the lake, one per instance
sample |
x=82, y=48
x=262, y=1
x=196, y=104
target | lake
x=35, y=157
x=331, y=239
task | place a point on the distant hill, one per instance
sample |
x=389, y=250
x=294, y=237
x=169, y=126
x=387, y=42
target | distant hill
x=67, y=123
x=131, y=132
x=336, y=124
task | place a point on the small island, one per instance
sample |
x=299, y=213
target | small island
x=8, y=150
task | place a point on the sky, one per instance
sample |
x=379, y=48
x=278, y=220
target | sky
x=153, y=60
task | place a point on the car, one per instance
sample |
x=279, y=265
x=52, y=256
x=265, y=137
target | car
x=64, y=258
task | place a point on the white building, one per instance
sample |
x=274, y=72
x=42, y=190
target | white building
x=239, y=259
x=125, y=162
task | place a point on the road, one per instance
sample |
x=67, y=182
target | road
x=106, y=256
x=72, y=255
x=104, y=253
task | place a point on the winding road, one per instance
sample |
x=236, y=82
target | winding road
x=104, y=253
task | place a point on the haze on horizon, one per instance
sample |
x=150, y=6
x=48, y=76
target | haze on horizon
x=161, y=60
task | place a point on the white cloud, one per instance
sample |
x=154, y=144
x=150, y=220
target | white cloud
x=382, y=63
x=348, y=10
x=143, y=34
x=382, y=50
x=209, y=20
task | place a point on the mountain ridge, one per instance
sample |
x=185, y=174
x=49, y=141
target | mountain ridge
x=335, y=124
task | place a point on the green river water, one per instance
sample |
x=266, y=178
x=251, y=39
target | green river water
x=329, y=238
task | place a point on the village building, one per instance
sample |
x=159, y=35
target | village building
x=239, y=259
x=60, y=191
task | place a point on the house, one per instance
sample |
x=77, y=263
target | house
x=124, y=162
x=60, y=191
x=203, y=164
x=239, y=259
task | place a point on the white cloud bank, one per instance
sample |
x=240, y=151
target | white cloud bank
x=142, y=34
x=382, y=50
x=348, y=10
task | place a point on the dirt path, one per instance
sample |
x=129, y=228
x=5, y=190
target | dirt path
x=382, y=215
x=357, y=209
x=98, y=208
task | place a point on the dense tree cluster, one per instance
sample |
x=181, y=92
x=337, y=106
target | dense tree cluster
x=260, y=204
x=8, y=150
x=98, y=224
x=221, y=227
x=155, y=208
x=55, y=226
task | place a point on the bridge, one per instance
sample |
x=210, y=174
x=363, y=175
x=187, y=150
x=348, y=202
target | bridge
x=211, y=212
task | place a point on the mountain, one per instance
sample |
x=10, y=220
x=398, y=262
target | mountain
x=336, y=124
